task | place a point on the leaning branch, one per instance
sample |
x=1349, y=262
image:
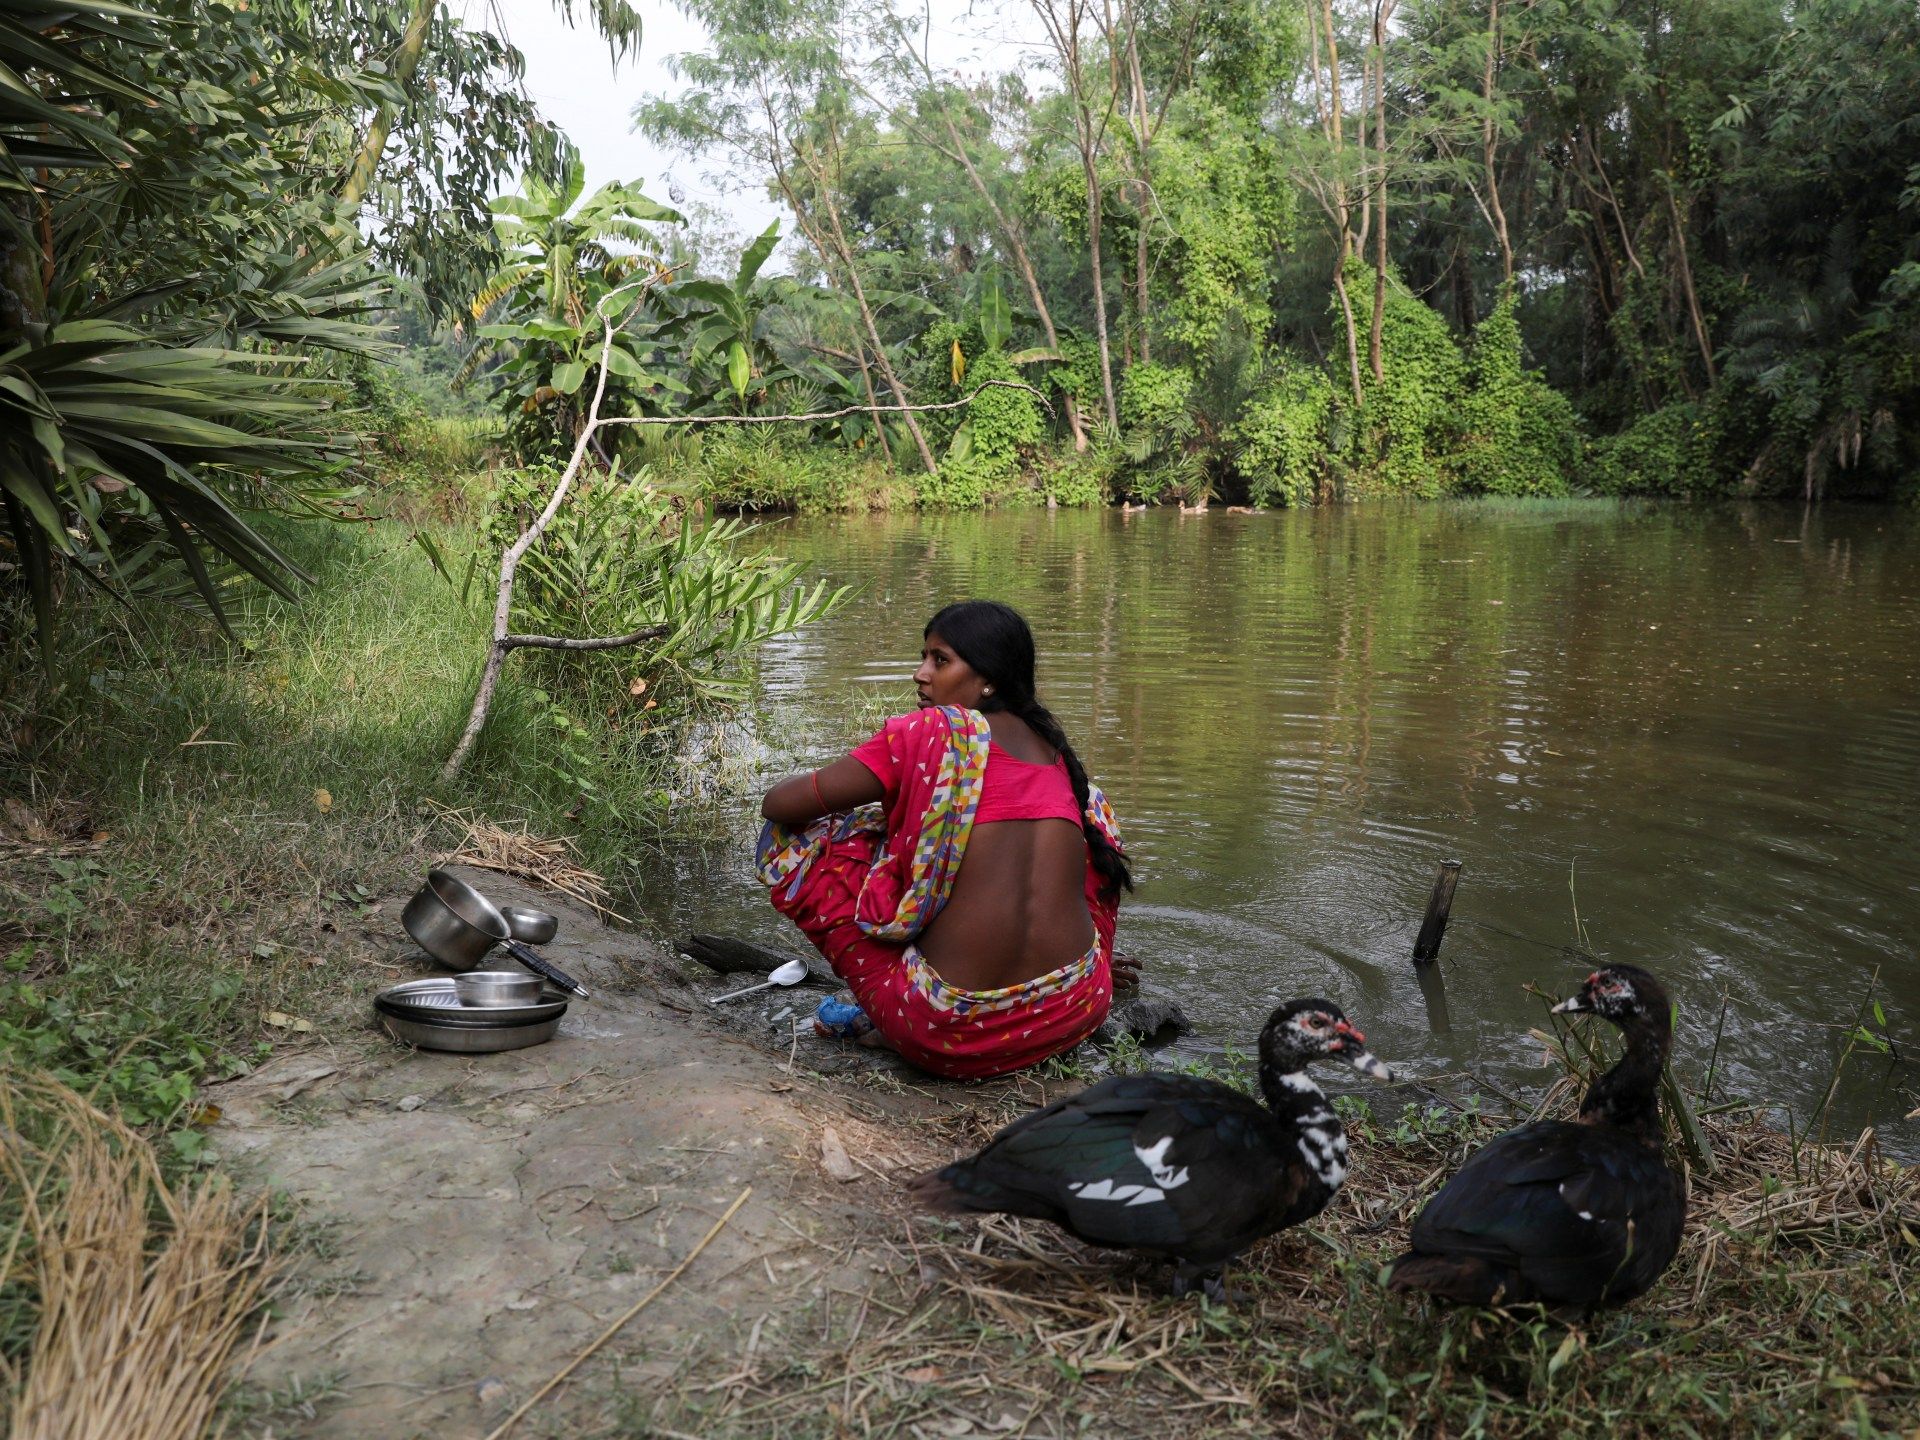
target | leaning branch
x=498, y=651
x=604, y=642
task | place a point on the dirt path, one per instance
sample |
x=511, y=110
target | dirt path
x=465, y=1225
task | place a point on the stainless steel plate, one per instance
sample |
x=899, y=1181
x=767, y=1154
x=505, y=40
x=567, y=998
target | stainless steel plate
x=468, y=1039
x=462, y=1019
x=433, y=1000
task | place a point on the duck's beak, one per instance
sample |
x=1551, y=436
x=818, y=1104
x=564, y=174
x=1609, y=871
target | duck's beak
x=1351, y=1046
x=1367, y=1064
x=1572, y=1005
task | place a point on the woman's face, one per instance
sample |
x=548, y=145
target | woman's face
x=944, y=678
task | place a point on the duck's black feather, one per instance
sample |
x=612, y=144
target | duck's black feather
x=1583, y=1213
x=1214, y=1188
x=1572, y=1214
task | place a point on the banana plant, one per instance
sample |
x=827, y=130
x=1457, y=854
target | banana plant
x=725, y=333
x=566, y=260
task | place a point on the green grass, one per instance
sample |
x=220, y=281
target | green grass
x=194, y=824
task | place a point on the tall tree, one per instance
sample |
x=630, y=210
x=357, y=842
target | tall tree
x=771, y=91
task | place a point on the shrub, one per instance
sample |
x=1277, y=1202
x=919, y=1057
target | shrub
x=1083, y=479
x=619, y=556
x=1407, y=436
x=1001, y=425
x=1155, y=397
x=1282, y=435
x=1518, y=435
x=1676, y=450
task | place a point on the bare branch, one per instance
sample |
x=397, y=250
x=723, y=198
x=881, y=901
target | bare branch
x=844, y=410
x=510, y=563
x=605, y=642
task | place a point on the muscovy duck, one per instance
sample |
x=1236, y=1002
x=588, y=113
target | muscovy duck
x=1187, y=1167
x=1582, y=1213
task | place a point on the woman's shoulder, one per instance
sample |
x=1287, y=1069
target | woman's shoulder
x=945, y=719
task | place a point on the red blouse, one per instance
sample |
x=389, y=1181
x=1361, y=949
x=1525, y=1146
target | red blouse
x=1012, y=789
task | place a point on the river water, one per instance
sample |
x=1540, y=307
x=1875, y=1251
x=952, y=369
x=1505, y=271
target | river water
x=1685, y=738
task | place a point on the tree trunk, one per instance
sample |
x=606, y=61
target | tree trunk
x=1382, y=11
x=1686, y=283
x=23, y=266
x=1353, y=334
x=1143, y=189
x=405, y=61
x=1016, y=240
x=1487, y=140
x=1099, y=284
x=1338, y=133
x=831, y=245
x=1064, y=33
x=881, y=359
x=866, y=376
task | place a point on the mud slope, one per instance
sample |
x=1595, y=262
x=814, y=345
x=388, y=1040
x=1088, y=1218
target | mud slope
x=465, y=1225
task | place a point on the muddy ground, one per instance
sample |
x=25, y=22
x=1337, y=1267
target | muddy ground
x=460, y=1227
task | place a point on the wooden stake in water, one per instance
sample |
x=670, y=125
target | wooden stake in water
x=1427, y=945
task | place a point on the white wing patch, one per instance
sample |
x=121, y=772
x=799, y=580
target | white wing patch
x=1165, y=1177
x=1107, y=1190
x=1583, y=1214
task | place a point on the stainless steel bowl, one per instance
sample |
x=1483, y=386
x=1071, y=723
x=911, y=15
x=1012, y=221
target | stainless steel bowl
x=490, y=988
x=468, y=1039
x=528, y=925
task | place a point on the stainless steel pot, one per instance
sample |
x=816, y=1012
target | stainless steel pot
x=459, y=927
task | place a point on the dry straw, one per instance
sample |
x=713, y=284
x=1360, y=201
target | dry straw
x=554, y=862
x=1790, y=1297
x=142, y=1291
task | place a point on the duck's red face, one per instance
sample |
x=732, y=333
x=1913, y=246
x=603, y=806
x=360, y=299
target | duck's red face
x=1609, y=993
x=1317, y=1028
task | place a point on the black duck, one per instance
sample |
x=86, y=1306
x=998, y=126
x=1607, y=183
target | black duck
x=1583, y=1213
x=1182, y=1166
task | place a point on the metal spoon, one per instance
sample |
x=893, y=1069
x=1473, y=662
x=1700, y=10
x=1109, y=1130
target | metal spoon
x=791, y=973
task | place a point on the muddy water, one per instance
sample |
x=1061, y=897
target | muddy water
x=1689, y=739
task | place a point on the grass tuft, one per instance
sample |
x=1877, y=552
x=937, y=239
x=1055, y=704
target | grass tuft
x=128, y=1297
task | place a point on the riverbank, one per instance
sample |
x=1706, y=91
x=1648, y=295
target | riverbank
x=451, y=1232
x=205, y=847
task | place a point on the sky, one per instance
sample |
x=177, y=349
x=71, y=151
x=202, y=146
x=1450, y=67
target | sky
x=577, y=85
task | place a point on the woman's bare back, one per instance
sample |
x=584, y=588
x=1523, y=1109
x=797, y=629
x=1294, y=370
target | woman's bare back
x=1019, y=907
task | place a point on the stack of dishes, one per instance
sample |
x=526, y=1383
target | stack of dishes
x=431, y=1015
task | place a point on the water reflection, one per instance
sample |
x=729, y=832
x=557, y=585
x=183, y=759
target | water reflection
x=1685, y=739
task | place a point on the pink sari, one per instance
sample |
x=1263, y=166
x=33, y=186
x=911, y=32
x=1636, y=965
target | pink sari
x=862, y=885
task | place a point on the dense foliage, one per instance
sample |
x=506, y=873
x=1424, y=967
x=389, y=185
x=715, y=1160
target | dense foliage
x=1284, y=252
x=180, y=189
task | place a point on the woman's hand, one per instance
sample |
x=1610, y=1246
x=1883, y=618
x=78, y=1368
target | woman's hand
x=1126, y=971
x=801, y=799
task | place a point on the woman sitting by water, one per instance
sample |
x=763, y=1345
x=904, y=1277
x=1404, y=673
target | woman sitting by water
x=957, y=870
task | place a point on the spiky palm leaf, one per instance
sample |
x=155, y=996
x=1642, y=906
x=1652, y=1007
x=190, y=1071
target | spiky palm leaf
x=90, y=409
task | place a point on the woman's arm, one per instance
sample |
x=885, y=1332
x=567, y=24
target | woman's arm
x=800, y=799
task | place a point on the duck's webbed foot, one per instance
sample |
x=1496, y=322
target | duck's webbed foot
x=1212, y=1279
